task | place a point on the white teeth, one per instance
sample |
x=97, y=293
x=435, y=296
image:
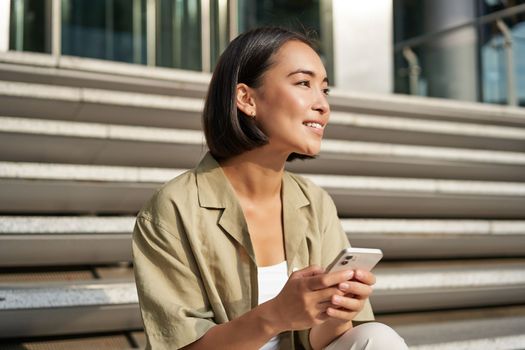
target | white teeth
x=314, y=125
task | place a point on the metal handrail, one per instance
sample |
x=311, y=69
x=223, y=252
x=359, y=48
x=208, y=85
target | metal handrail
x=415, y=70
x=425, y=38
x=511, y=84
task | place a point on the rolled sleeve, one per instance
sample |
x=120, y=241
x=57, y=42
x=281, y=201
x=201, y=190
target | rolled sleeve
x=175, y=310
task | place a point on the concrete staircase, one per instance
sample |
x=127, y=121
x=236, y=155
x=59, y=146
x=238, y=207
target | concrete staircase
x=438, y=185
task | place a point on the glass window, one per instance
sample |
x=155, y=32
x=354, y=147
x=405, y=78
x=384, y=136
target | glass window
x=30, y=25
x=179, y=34
x=493, y=55
x=300, y=15
x=105, y=29
x=220, y=34
x=466, y=64
x=305, y=16
x=408, y=23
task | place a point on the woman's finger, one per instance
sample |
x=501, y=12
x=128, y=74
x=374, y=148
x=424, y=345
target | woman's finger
x=341, y=314
x=325, y=295
x=365, y=277
x=309, y=271
x=357, y=289
x=350, y=304
x=326, y=304
x=326, y=280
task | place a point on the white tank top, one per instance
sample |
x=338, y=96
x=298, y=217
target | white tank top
x=271, y=280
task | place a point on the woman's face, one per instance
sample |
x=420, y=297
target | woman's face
x=291, y=103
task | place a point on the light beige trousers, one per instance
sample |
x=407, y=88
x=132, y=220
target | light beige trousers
x=369, y=336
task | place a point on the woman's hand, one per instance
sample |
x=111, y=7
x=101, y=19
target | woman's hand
x=346, y=307
x=343, y=309
x=305, y=298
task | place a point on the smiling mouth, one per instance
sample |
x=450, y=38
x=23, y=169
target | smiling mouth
x=313, y=125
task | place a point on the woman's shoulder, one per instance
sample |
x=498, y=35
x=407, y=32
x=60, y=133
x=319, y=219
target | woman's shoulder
x=177, y=192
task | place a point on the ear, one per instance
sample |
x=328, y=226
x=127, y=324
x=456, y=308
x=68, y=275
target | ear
x=245, y=100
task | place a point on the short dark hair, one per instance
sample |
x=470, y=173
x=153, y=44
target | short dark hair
x=227, y=129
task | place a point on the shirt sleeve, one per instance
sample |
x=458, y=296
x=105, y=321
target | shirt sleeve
x=172, y=298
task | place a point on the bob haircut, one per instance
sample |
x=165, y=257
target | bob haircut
x=229, y=131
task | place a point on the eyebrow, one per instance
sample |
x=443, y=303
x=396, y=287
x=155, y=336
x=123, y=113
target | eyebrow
x=307, y=72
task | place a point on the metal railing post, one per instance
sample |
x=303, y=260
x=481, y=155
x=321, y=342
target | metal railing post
x=233, y=14
x=19, y=20
x=151, y=35
x=137, y=32
x=414, y=70
x=512, y=98
x=109, y=30
x=56, y=28
x=205, y=36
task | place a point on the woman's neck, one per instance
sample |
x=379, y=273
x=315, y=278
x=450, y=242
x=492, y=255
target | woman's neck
x=256, y=174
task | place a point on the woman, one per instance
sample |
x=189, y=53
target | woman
x=229, y=255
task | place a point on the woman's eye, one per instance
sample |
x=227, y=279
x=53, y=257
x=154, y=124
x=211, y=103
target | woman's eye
x=326, y=91
x=304, y=83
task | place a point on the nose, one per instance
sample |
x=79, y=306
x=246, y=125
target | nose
x=321, y=104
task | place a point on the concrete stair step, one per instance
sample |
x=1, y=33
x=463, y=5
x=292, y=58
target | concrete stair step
x=447, y=284
x=64, y=240
x=425, y=108
x=25, y=139
x=102, y=341
x=67, y=308
x=426, y=286
x=133, y=108
x=28, y=139
x=99, y=106
x=380, y=159
x=115, y=272
x=470, y=329
x=77, y=188
x=467, y=329
x=29, y=67
x=139, y=337
x=92, y=73
x=74, y=240
x=509, y=342
x=414, y=131
x=438, y=239
x=37, y=187
x=361, y=196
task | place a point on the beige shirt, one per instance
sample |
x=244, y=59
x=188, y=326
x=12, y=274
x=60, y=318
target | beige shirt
x=194, y=262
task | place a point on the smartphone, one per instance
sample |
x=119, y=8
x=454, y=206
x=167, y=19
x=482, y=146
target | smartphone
x=356, y=258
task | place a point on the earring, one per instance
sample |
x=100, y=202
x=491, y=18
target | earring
x=253, y=115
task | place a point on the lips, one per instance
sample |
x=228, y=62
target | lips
x=315, y=126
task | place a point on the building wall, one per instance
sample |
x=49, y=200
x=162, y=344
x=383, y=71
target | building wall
x=363, y=45
x=4, y=25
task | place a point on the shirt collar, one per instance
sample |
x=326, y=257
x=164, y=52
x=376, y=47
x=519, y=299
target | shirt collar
x=215, y=191
x=213, y=188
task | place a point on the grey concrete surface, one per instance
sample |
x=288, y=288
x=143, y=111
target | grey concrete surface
x=26, y=139
x=96, y=105
x=483, y=328
x=426, y=108
x=99, y=240
x=38, y=187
